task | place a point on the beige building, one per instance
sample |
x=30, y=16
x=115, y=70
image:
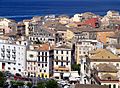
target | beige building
x=107, y=65
x=7, y=26
x=83, y=47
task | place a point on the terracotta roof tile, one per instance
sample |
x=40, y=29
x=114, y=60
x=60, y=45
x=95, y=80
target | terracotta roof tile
x=90, y=86
x=103, y=54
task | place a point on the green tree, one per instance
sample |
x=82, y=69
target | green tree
x=51, y=84
x=13, y=83
x=76, y=67
x=17, y=83
x=41, y=84
x=2, y=79
x=20, y=83
x=29, y=84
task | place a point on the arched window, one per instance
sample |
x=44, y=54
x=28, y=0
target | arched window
x=114, y=86
x=109, y=85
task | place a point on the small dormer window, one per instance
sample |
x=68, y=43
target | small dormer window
x=31, y=55
x=108, y=56
x=109, y=78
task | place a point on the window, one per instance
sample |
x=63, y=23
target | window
x=44, y=70
x=67, y=52
x=42, y=58
x=14, y=69
x=40, y=70
x=38, y=58
x=46, y=76
x=45, y=65
x=31, y=55
x=45, y=53
x=61, y=52
x=42, y=75
x=84, y=81
x=66, y=63
x=18, y=63
x=56, y=63
x=38, y=64
x=19, y=70
x=42, y=65
x=42, y=53
x=114, y=86
x=67, y=58
x=61, y=58
x=56, y=51
x=84, y=53
x=9, y=63
x=45, y=59
x=117, y=64
x=28, y=68
x=9, y=68
x=56, y=57
x=61, y=63
x=109, y=85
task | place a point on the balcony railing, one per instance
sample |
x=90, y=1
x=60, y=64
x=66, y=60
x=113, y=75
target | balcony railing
x=6, y=60
x=3, y=55
x=8, y=55
x=8, y=50
x=3, y=49
x=61, y=60
x=64, y=68
x=13, y=56
x=14, y=51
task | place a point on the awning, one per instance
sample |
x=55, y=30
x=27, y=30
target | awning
x=74, y=74
x=56, y=75
x=72, y=79
x=66, y=75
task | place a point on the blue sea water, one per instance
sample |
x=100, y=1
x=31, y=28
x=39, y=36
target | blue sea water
x=25, y=9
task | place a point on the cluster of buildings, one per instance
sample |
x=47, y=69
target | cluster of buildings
x=48, y=46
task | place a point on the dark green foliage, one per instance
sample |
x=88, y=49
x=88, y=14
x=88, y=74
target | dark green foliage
x=41, y=85
x=20, y=83
x=29, y=84
x=17, y=83
x=51, y=84
x=47, y=84
x=76, y=67
x=2, y=79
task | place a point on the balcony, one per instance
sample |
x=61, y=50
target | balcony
x=6, y=61
x=8, y=55
x=8, y=50
x=13, y=56
x=3, y=49
x=2, y=54
x=64, y=68
x=13, y=51
x=61, y=60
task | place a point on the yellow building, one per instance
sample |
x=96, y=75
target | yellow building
x=69, y=35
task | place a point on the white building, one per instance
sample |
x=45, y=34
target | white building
x=62, y=61
x=12, y=58
x=31, y=63
x=39, y=62
x=85, y=71
x=77, y=18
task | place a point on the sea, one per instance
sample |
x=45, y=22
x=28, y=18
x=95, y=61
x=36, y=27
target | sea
x=26, y=9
